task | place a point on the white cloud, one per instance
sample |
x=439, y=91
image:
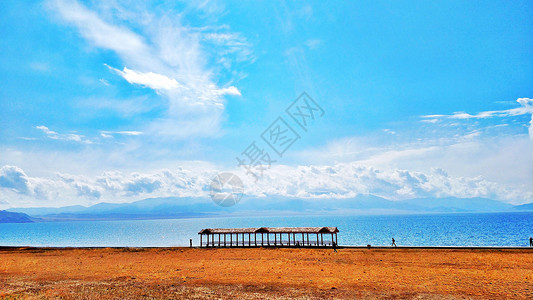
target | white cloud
x=432, y=121
x=14, y=178
x=229, y=91
x=526, y=108
x=497, y=153
x=164, y=55
x=83, y=189
x=16, y=185
x=346, y=180
x=229, y=43
x=65, y=137
x=129, y=132
x=110, y=134
x=126, y=108
x=389, y=131
x=150, y=79
x=99, y=32
x=313, y=43
x=46, y=130
x=104, y=82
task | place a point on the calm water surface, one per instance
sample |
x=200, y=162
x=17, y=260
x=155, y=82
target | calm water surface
x=489, y=229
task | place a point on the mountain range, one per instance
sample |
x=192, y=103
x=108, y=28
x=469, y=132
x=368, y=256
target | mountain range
x=14, y=217
x=173, y=207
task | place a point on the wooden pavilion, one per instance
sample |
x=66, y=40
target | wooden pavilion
x=269, y=237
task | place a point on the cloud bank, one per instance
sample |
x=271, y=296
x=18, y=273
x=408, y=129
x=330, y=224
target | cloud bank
x=339, y=181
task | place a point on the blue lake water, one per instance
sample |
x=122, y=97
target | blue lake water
x=488, y=229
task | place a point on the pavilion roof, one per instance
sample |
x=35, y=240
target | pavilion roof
x=270, y=230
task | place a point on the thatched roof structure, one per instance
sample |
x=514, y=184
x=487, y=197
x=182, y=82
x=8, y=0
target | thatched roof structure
x=270, y=230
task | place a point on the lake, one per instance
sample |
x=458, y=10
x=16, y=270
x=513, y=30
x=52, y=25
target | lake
x=479, y=229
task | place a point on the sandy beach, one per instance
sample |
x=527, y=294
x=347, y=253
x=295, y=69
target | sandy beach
x=112, y=273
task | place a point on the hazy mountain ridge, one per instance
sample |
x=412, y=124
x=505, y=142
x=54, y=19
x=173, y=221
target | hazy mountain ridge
x=172, y=207
x=527, y=206
x=14, y=217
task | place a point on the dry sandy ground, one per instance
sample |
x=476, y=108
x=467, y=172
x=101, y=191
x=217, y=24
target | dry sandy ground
x=265, y=273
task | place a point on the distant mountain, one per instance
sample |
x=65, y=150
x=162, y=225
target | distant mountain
x=39, y=211
x=452, y=204
x=359, y=203
x=14, y=217
x=172, y=207
x=152, y=208
x=371, y=202
x=528, y=206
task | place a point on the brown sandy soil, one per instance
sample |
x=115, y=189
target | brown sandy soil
x=265, y=273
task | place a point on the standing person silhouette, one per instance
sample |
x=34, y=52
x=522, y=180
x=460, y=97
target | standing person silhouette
x=393, y=243
x=530, y=241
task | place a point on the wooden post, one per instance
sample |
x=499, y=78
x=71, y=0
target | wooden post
x=317, y=239
x=224, y=240
x=275, y=239
x=243, y=239
x=249, y=239
x=289, y=237
x=308, y=244
x=255, y=238
x=322, y=239
x=336, y=242
x=201, y=240
x=332, y=239
x=231, y=239
x=237, y=239
x=268, y=239
x=262, y=237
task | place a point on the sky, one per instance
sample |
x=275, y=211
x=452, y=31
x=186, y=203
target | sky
x=118, y=101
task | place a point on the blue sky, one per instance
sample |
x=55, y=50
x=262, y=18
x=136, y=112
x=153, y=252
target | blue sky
x=120, y=101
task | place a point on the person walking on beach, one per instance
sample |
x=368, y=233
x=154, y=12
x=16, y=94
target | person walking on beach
x=334, y=246
x=530, y=241
x=393, y=243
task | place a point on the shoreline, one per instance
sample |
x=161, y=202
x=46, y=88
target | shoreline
x=5, y=248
